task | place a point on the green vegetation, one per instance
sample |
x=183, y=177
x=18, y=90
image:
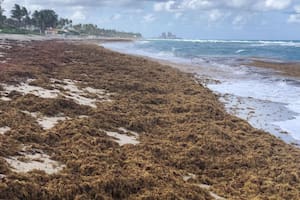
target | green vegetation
x=91, y=29
x=2, y=16
x=22, y=21
x=21, y=15
x=9, y=30
x=45, y=19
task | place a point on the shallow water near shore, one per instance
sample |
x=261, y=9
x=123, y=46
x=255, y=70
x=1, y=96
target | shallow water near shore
x=266, y=99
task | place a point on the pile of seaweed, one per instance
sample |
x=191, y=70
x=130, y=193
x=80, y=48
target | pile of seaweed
x=189, y=147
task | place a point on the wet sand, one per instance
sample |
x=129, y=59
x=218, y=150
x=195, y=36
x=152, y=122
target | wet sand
x=171, y=127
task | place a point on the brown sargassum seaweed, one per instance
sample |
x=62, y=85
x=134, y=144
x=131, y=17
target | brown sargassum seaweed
x=183, y=129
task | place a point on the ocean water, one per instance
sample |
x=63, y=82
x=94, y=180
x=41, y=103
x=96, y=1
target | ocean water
x=206, y=49
x=268, y=101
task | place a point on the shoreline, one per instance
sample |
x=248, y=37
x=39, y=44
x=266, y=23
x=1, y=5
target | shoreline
x=83, y=39
x=125, y=128
x=262, y=114
x=257, y=112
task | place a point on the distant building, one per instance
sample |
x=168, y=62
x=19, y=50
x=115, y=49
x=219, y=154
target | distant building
x=63, y=31
x=51, y=31
x=168, y=35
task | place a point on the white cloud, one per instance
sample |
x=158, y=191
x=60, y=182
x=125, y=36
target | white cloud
x=134, y=11
x=277, y=4
x=159, y=7
x=178, y=15
x=7, y=5
x=149, y=18
x=87, y=3
x=116, y=16
x=237, y=3
x=295, y=17
x=175, y=6
x=213, y=10
x=197, y=4
x=297, y=8
x=78, y=14
x=268, y=5
x=239, y=21
x=215, y=15
x=216, y=10
x=165, y=6
x=246, y=5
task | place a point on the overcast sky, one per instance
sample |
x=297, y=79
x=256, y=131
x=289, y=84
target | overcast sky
x=194, y=19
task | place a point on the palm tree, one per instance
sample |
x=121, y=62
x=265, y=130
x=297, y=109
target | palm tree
x=17, y=13
x=2, y=17
x=64, y=22
x=71, y=23
x=45, y=19
x=26, y=17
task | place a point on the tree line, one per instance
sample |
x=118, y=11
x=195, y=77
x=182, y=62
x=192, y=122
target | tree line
x=22, y=20
x=91, y=29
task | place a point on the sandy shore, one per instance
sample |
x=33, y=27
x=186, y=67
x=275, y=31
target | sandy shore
x=150, y=132
x=78, y=39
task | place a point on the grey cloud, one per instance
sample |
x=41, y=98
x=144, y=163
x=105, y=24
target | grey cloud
x=93, y=3
x=242, y=5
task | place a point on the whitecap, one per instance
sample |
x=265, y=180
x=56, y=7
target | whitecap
x=240, y=51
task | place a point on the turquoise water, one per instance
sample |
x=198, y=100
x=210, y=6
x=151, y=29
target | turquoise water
x=275, y=50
